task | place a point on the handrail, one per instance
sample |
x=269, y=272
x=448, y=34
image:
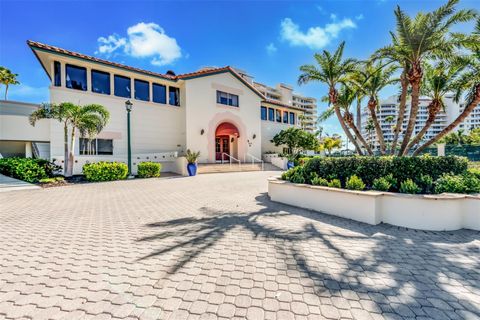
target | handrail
x=253, y=160
x=230, y=158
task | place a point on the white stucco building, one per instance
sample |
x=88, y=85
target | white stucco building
x=215, y=111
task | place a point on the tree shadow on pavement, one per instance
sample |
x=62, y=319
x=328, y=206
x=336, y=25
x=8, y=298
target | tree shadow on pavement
x=389, y=269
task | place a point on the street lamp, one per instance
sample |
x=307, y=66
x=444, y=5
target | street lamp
x=128, y=106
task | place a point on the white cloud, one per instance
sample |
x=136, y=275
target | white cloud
x=144, y=40
x=359, y=17
x=271, y=48
x=315, y=37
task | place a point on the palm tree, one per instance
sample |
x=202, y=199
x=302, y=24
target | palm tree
x=89, y=120
x=375, y=77
x=346, y=96
x=468, y=82
x=7, y=78
x=439, y=80
x=425, y=36
x=330, y=143
x=332, y=69
x=370, y=127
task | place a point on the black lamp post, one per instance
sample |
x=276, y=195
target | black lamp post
x=128, y=106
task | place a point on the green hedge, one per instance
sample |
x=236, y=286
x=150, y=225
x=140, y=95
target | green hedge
x=28, y=169
x=105, y=171
x=425, y=174
x=149, y=169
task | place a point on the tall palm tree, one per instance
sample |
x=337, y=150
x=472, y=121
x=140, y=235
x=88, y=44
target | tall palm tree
x=331, y=69
x=370, y=127
x=7, y=78
x=89, y=120
x=425, y=36
x=439, y=80
x=375, y=77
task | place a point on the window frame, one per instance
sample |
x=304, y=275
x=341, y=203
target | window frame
x=285, y=117
x=83, y=140
x=109, y=81
x=230, y=99
x=67, y=66
x=57, y=74
x=153, y=93
x=278, y=115
x=177, y=102
x=271, y=114
x=115, y=76
x=135, y=81
x=263, y=110
x=292, y=118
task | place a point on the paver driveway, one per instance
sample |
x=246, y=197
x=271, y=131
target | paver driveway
x=214, y=246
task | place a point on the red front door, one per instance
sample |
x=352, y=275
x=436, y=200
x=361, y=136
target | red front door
x=222, y=148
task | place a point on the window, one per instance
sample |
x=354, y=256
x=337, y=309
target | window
x=100, y=82
x=264, y=113
x=174, y=96
x=159, y=93
x=292, y=118
x=278, y=115
x=285, y=117
x=96, y=146
x=271, y=114
x=142, y=90
x=122, y=86
x=76, y=77
x=57, y=77
x=227, y=98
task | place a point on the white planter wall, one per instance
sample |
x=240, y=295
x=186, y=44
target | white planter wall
x=427, y=212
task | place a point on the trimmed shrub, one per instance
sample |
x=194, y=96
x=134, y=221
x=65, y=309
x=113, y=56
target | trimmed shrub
x=475, y=172
x=408, y=186
x=105, y=171
x=335, y=183
x=471, y=182
x=28, y=169
x=149, y=169
x=371, y=168
x=354, y=183
x=425, y=182
x=318, y=181
x=381, y=184
x=466, y=183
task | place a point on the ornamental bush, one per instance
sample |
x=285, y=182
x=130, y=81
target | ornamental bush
x=105, y=171
x=381, y=184
x=317, y=181
x=465, y=183
x=335, y=183
x=354, y=183
x=149, y=169
x=28, y=169
x=408, y=186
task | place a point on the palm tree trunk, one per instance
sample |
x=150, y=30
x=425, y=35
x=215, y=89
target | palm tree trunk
x=346, y=130
x=414, y=77
x=71, y=156
x=401, y=111
x=361, y=139
x=456, y=122
x=372, y=105
x=433, y=108
x=65, y=145
x=359, y=113
x=6, y=90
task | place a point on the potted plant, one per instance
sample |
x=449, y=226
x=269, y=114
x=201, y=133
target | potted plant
x=192, y=162
x=291, y=161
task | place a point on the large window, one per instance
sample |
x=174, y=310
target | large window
x=285, y=116
x=292, y=118
x=227, y=98
x=100, y=82
x=174, y=96
x=264, y=113
x=57, y=77
x=271, y=114
x=142, y=90
x=122, y=87
x=278, y=115
x=96, y=146
x=76, y=77
x=159, y=93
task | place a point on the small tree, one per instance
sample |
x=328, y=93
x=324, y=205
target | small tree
x=7, y=78
x=296, y=140
x=330, y=143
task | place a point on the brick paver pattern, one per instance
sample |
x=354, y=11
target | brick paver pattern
x=215, y=247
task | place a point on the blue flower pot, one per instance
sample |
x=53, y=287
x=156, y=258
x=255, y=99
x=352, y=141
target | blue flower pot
x=192, y=169
x=290, y=164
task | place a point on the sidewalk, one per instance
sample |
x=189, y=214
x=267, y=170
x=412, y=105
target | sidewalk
x=11, y=184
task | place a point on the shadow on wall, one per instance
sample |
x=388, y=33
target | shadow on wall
x=395, y=267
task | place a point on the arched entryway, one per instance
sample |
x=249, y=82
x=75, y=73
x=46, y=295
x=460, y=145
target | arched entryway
x=226, y=141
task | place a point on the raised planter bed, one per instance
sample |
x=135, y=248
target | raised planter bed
x=426, y=212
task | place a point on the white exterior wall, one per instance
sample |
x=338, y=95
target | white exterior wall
x=203, y=112
x=269, y=130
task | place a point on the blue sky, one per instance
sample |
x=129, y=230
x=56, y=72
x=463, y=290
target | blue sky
x=268, y=39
